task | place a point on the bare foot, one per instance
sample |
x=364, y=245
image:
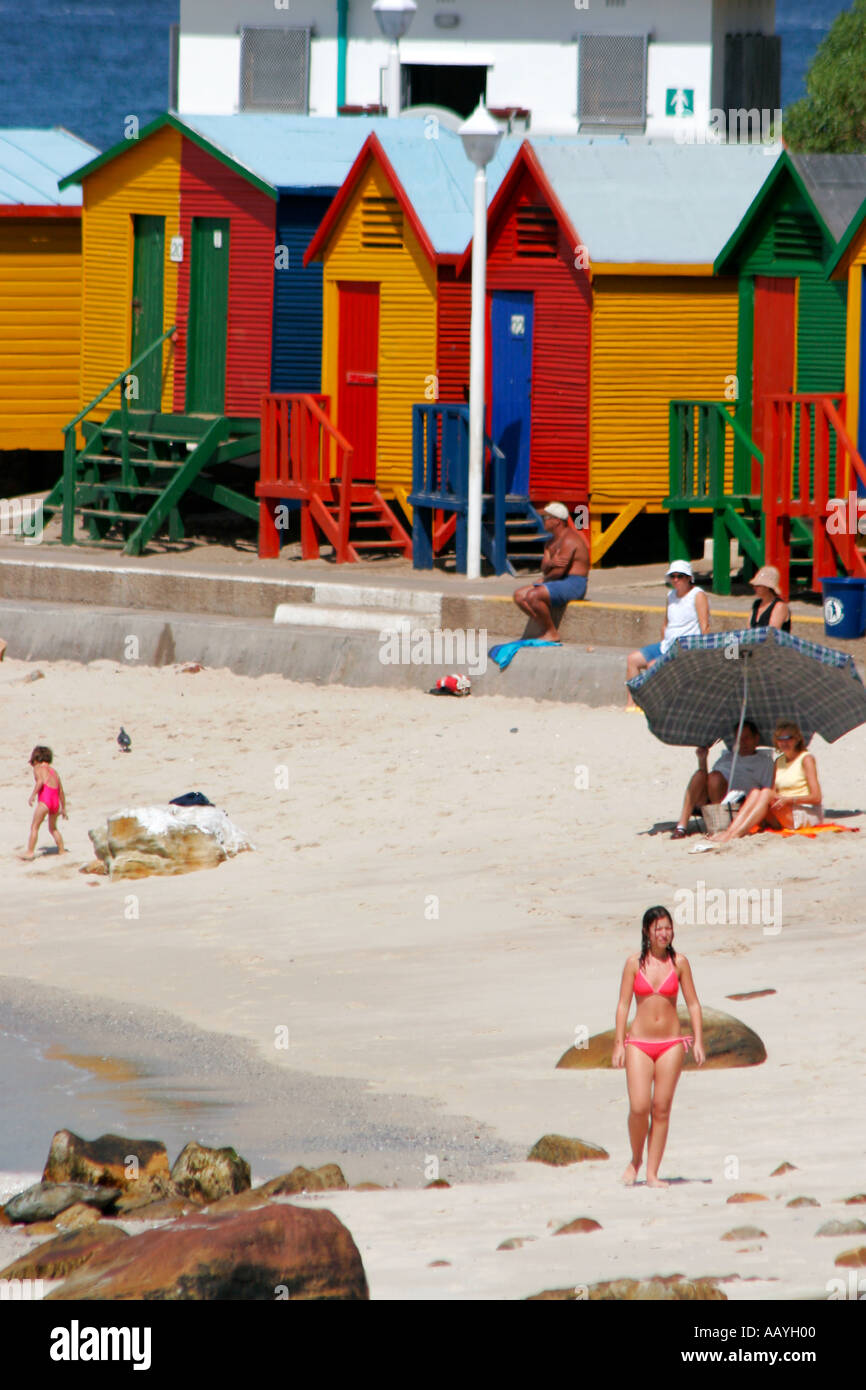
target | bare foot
x=630, y=1174
x=26, y=856
x=656, y=1182
x=552, y=636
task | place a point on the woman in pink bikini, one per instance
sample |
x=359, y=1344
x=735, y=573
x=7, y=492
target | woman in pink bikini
x=49, y=798
x=653, y=1058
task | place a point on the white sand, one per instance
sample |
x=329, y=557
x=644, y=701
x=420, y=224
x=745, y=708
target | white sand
x=398, y=805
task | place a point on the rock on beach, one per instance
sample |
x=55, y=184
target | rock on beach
x=142, y=840
x=278, y=1251
x=727, y=1042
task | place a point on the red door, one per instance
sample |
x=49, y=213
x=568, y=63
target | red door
x=773, y=350
x=357, y=374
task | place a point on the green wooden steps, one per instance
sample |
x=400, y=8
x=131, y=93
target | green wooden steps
x=134, y=469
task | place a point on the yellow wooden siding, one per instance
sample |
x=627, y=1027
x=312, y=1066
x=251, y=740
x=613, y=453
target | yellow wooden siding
x=146, y=180
x=407, y=327
x=40, y=330
x=652, y=341
x=853, y=338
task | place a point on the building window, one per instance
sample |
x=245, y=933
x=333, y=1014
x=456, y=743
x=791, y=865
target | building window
x=752, y=84
x=612, y=79
x=275, y=70
x=381, y=222
x=456, y=86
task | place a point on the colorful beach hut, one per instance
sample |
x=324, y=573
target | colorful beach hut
x=792, y=318
x=391, y=238
x=193, y=242
x=604, y=250
x=848, y=266
x=40, y=286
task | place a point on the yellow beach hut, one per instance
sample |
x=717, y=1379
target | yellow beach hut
x=40, y=287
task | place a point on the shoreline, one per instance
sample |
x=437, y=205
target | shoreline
x=146, y=1074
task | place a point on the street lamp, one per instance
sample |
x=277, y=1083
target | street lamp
x=481, y=137
x=394, y=18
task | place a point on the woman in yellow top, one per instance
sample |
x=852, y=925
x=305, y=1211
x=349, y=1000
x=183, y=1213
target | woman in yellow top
x=794, y=799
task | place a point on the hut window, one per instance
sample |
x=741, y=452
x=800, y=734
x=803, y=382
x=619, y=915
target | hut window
x=275, y=70
x=795, y=236
x=537, y=232
x=611, y=87
x=381, y=222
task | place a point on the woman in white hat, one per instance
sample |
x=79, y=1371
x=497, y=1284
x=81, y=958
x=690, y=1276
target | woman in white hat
x=769, y=610
x=687, y=615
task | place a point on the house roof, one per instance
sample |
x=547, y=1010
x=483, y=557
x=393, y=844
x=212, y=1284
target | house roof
x=32, y=162
x=832, y=184
x=432, y=179
x=837, y=185
x=279, y=153
x=641, y=202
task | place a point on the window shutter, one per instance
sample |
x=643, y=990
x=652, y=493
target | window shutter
x=612, y=79
x=275, y=70
x=381, y=222
x=537, y=232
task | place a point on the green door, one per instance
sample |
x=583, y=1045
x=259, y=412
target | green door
x=148, y=266
x=208, y=316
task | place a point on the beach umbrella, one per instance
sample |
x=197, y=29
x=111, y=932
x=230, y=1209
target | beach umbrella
x=703, y=688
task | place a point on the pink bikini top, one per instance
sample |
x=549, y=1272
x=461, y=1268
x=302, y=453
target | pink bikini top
x=668, y=989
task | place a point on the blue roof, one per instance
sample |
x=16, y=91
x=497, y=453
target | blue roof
x=289, y=152
x=32, y=161
x=641, y=201
x=306, y=153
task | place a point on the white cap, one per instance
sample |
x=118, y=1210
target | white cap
x=557, y=509
x=680, y=567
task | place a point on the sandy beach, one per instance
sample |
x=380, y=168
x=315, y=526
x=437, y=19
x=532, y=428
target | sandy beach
x=442, y=892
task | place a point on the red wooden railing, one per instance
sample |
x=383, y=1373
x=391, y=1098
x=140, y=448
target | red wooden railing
x=802, y=487
x=303, y=457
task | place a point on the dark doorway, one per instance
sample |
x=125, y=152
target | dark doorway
x=456, y=87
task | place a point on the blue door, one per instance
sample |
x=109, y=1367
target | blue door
x=511, y=382
x=861, y=414
x=296, y=360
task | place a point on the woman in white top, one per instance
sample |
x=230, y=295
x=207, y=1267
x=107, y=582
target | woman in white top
x=687, y=615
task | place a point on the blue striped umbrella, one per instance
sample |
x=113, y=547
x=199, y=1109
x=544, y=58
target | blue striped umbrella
x=704, y=687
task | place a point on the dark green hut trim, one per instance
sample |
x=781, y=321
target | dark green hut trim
x=727, y=259
x=159, y=123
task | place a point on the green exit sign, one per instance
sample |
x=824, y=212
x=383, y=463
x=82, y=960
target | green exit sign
x=680, y=101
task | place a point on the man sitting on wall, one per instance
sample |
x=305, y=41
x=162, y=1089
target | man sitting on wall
x=564, y=568
x=754, y=768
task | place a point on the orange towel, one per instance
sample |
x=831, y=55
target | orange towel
x=810, y=830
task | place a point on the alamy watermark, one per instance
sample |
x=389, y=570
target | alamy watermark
x=404, y=646
x=22, y=516
x=846, y=517
x=735, y=126
x=720, y=907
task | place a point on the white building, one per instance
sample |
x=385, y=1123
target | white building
x=654, y=67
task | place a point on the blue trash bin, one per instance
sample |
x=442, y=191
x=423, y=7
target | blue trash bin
x=844, y=607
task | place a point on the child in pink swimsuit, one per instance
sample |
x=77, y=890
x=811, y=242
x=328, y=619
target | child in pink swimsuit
x=49, y=797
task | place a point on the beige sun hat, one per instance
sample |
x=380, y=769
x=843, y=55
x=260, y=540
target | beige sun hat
x=768, y=577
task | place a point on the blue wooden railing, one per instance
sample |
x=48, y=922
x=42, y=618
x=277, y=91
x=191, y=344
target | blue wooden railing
x=440, y=482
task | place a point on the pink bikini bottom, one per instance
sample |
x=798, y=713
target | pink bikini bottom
x=656, y=1049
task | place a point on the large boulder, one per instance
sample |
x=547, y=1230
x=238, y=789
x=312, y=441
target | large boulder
x=142, y=840
x=45, y=1200
x=205, y=1174
x=54, y=1259
x=727, y=1043
x=138, y=1166
x=280, y=1251
x=559, y=1151
x=325, y=1179
x=657, y=1288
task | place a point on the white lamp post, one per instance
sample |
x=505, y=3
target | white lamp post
x=394, y=18
x=481, y=137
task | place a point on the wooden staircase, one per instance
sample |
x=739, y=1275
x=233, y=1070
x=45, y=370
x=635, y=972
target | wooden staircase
x=307, y=463
x=512, y=532
x=128, y=480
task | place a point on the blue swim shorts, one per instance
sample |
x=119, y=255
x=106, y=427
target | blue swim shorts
x=652, y=652
x=563, y=591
